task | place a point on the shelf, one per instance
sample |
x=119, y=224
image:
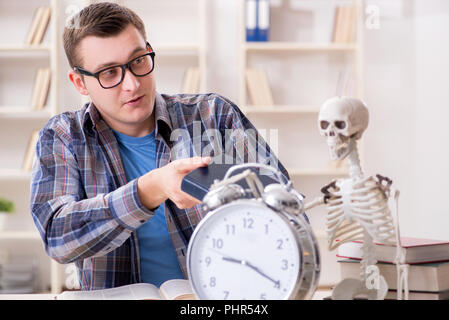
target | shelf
x=17, y=51
x=24, y=112
x=317, y=172
x=14, y=174
x=296, y=46
x=19, y=235
x=24, y=48
x=279, y=109
x=175, y=48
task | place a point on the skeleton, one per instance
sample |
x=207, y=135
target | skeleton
x=358, y=206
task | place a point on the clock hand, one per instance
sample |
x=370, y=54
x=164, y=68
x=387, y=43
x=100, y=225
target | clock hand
x=250, y=265
x=277, y=283
x=233, y=260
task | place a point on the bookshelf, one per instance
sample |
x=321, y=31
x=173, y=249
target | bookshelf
x=19, y=63
x=176, y=50
x=275, y=49
x=303, y=62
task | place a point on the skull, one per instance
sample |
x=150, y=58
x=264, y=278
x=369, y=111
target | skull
x=342, y=120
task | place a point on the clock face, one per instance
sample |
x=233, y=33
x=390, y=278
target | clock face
x=243, y=250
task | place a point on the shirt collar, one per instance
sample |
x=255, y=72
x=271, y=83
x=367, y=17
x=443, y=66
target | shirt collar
x=93, y=121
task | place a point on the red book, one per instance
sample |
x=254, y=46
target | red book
x=417, y=251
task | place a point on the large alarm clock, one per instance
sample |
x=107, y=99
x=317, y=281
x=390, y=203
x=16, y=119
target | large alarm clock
x=253, y=243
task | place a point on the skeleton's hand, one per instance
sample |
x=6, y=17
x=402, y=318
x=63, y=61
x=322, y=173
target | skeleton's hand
x=328, y=193
x=384, y=184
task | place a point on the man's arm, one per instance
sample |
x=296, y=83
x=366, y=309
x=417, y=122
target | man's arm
x=71, y=226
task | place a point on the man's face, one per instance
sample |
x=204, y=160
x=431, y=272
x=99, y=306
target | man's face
x=128, y=107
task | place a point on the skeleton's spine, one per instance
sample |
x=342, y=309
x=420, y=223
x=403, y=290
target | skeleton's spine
x=355, y=170
x=368, y=255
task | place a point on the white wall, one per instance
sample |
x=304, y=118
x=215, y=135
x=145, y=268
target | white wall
x=406, y=72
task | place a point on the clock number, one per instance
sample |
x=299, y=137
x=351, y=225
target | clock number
x=212, y=282
x=208, y=261
x=284, y=264
x=279, y=242
x=226, y=294
x=230, y=229
x=248, y=223
x=263, y=296
x=217, y=243
x=266, y=229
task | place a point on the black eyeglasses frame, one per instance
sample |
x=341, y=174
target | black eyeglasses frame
x=122, y=66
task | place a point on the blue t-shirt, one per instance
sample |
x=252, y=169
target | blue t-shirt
x=158, y=260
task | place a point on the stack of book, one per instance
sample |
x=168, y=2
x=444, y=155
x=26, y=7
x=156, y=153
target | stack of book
x=18, y=277
x=428, y=261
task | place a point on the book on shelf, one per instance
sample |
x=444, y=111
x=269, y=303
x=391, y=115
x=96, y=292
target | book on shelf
x=191, y=81
x=426, y=277
x=36, y=89
x=251, y=20
x=41, y=89
x=258, y=87
x=417, y=250
x=345, y=22
x=30, y=152
x=175, y=289
x=42, y=26
x=34, y=25
x=263, y=20
x=257, y=20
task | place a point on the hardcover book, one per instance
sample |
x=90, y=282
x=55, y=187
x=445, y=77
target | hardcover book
x=427, y=277
x=417, y=250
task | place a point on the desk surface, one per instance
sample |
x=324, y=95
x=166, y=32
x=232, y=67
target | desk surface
x=319, y=295
x=37, y=296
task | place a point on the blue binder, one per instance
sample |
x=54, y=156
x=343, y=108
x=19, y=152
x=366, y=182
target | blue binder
x=251, y=20
x=263, y=20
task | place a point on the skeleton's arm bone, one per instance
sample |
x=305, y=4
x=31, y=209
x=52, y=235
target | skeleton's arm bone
x=316, y=202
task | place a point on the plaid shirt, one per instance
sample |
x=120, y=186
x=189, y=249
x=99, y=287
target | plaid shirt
x=87, y=212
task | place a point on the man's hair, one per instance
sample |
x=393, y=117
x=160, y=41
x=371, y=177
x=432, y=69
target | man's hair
x=103, y=20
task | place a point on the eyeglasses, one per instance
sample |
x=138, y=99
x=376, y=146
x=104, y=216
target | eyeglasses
x=111, y=77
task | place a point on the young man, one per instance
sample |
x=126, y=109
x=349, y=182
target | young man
x=105, y=189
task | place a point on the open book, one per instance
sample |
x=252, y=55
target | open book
x=175, y=289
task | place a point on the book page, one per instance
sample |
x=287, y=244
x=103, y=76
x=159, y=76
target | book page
x=177, y=289
x=136, y=291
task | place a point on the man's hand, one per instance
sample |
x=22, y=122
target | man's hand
x=164, y=183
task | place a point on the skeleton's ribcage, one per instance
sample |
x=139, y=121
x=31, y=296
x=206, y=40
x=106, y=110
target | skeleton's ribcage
x=355, y=207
